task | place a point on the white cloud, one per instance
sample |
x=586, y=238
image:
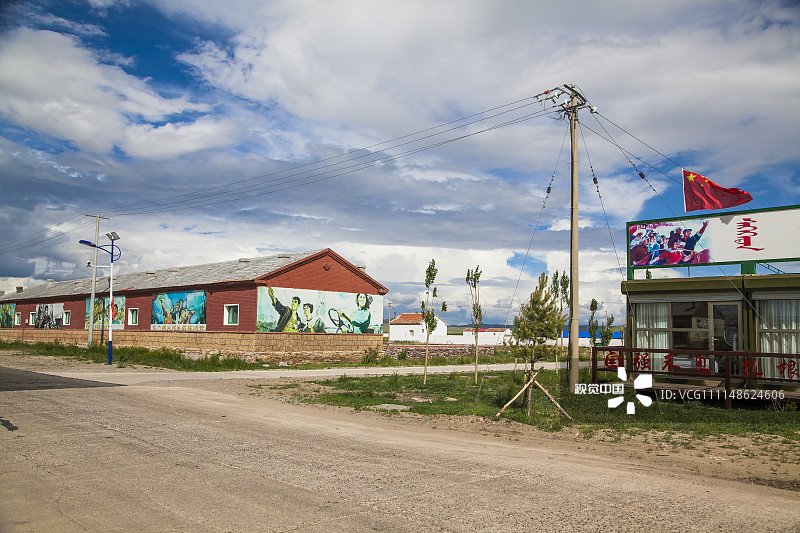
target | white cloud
x=52, y=85
x=174, y=140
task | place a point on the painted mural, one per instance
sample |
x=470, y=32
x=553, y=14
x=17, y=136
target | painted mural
x=49, y=316
x=308, y=311
x=7, y=315
x=101, y=313
x=183, y=311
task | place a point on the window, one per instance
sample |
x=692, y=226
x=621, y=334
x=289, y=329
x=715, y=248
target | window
x=18, y=319
x=133, y=316
x=695, y=325
x=66, y=317
x=779, y=326
x=32, y=319
x=232, y=315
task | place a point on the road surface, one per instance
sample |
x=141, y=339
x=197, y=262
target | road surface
x=93, y=450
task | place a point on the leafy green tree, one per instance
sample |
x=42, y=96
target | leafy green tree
x=428, y=314
x=606, y=332
x=594, y=326
x=473, y=281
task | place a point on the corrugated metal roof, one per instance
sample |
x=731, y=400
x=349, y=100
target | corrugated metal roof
x=246, y=269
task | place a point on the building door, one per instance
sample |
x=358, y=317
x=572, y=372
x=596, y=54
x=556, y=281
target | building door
x=726, y=326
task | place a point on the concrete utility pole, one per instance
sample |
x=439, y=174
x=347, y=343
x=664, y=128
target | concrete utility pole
x=94, y=275
x=570, y=110
x=573, y=247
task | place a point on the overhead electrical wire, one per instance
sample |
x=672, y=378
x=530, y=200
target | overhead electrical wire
x=45, y=235
x=304, y=178
x=303, y=172
x=284, y=180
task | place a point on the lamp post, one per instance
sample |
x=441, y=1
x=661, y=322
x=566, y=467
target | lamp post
x=115, y=254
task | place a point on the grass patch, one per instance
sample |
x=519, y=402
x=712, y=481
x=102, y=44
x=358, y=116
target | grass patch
x=122, y=356
x=451, y=394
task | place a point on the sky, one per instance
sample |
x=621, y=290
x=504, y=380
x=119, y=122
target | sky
x=393, y=132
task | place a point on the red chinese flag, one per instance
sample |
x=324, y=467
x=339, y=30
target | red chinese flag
x=702, y=193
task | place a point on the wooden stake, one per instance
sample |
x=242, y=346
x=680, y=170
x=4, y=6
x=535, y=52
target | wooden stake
x=551, y=399
x=528, y=384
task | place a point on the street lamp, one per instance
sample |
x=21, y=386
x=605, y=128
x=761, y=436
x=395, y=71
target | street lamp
x=115, y=254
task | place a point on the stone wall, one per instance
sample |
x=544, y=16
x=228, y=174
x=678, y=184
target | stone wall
x=269, y=347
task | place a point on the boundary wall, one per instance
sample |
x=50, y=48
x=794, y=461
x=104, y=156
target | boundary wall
x=262, y=346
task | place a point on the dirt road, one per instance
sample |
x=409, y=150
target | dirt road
x=223, y=455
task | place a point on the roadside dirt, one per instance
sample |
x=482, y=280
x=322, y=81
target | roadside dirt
x=766, y=460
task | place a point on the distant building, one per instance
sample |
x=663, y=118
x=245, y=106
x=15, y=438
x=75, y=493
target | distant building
x=410, y=327
x=488, y=336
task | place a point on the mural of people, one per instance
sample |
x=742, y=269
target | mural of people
x=289, y=320
x=664, y=243
x=102, y=311
x=312, y=325
x=311, y=311
x=359, y=320
x=179, y=310
x=49, y=316
x=7, y=315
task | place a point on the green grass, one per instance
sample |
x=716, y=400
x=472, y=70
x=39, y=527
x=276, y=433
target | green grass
x=591, y=412
x=162, y=358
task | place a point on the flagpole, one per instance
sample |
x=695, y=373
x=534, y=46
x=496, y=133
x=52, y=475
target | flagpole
x=683, y=188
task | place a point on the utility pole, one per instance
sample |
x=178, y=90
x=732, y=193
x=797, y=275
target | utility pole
x=94, y=275
x=573, y=247
x=577, y=101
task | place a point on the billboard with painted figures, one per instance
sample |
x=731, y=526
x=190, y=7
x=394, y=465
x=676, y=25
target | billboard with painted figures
x=179, y=311
x=7, y=315
x=309, y=311
x=763, y=236
x=102, y=311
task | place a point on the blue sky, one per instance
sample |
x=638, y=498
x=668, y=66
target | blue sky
x=183, y=120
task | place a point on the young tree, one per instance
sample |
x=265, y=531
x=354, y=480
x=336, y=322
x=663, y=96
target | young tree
x=594, y=326
x=606, y=333
x=473, y=281
x=428, y=314
x=540, y=318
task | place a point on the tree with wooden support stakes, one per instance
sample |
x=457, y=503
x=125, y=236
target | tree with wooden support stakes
x=429, y=318
x=540, y=318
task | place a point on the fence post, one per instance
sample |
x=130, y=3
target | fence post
x=594, y=364
x=728, y=403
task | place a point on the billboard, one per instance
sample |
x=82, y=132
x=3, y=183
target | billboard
x=179, y=311
x=102, y=310
x=309, y=311
x=763, y=236
x=7, y=315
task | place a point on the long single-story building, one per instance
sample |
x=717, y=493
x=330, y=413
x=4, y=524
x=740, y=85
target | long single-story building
x=302, y=302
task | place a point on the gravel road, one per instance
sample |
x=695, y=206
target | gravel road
x=175, y=454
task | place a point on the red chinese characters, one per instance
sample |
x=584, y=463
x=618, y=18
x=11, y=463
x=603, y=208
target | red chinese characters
x=745, y=231
x=668, y=364
x=613, y=360
x=702, y=365
x=749, y=368
x=788, y=369
x=641, y=361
